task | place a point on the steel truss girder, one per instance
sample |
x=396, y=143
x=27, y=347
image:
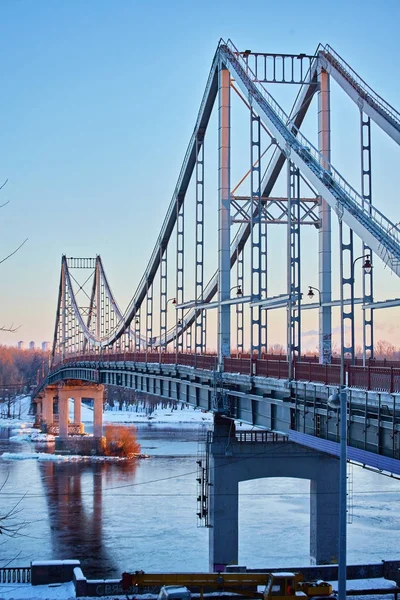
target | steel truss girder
x=279, y=68
x=274, y=210
x=293, y=267
x=367, y=278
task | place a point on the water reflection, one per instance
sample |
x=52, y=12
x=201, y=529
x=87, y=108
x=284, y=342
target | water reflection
x=74, y=493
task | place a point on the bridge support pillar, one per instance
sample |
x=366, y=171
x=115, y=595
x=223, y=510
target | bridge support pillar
x=78, y=410
x=324, y=511
x=47, y=406
x=63, y=410
x=232, y=460
x=98, y=411
x=39, y=410
x=224, y=499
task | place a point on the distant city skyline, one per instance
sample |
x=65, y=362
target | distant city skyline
x=22, y=345
x=99, y=100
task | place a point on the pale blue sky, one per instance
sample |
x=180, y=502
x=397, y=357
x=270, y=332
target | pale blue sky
x=98, y=102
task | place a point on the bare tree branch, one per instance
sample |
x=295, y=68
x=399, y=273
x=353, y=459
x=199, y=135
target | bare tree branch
x=12, y=253
x=1, y=186
x=10, y=523
x=11, y=329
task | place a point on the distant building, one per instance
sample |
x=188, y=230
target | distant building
x=31, y=345
x=21, y=345
x=45, y=346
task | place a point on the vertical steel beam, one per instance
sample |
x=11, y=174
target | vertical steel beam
x=258, y=237
x=199, y=245
x=163, y=299
x=149, y=319
x=224, y=216
x=137, y=331
x=63, y=310
x=348, y=311
x=239, y=307
x=324, y=237
x=293, y=265
x=180, y=261
x=263, y=284
x=366, y=193
x=189, y=339
x=102, y=308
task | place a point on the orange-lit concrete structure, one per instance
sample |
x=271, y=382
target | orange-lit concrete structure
x=52, y=415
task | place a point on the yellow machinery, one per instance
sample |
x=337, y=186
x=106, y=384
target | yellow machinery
x=275, y=586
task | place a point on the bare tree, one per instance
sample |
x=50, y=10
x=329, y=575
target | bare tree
x=11, y=328
x=10, y=523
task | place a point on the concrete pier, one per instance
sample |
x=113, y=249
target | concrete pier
x=65, y=430
x=233, y=461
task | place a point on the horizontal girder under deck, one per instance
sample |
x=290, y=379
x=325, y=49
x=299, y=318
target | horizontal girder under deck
x=292, y=408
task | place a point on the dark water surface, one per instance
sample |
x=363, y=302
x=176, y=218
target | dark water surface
x=142, y=514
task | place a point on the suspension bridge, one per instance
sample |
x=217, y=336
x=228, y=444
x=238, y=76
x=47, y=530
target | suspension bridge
x=198, y=327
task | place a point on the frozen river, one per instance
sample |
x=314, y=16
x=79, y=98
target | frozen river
x=142, y=515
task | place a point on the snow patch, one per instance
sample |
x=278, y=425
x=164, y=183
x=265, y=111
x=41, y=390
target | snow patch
x=44, y=457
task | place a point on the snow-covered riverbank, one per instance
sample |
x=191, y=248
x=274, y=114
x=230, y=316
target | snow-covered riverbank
x=154, y=415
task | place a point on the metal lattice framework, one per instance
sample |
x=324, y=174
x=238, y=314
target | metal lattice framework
x=88, y=318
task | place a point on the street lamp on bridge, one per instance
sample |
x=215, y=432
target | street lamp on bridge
x=239, y=290
x=311, y=293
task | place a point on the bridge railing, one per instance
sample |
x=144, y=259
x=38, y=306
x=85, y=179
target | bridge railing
x=15, y=574
x=257, y=437
x=374, y=376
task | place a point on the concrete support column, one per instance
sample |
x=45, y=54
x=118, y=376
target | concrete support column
x=224, y=498
x=38, y=410
x=48, y=406
x=324, y=511
x=77, y=409
x=98, y=411
x=63, y=405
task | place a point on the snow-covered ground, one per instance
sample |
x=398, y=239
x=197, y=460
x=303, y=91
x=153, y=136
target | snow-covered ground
x=66, y=591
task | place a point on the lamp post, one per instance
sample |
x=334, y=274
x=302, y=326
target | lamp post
x=311, y=294
x=367, y=267
x=338, y=401
x=239, y=290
